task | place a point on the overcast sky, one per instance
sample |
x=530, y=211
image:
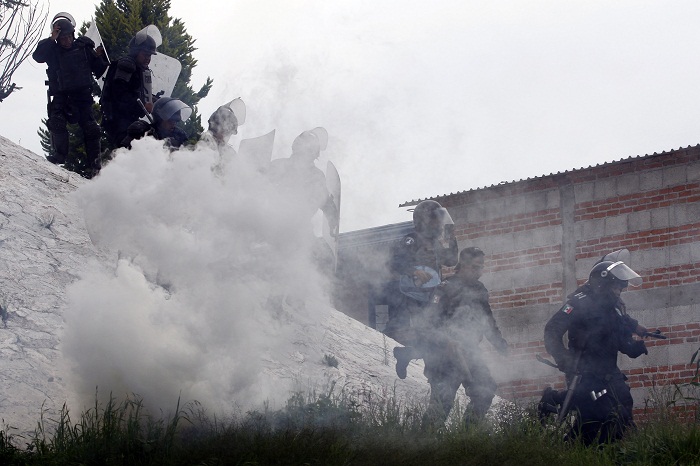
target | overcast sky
x=421, y=100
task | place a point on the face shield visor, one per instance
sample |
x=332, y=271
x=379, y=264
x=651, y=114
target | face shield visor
x=440, y=225
x=172, y=109
x=620, y=271
x=617, y=256
x=223, y=123
x=147, y=39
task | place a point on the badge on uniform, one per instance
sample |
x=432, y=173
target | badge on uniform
x=436, y=299
x=567, y=309
x=409, y=241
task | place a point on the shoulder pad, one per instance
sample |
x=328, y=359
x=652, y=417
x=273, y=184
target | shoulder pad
x=126, y=64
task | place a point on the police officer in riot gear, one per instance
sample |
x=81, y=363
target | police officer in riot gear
x=223, y=124
x=598, y=328
x=71, y=63
x=167, y=113
x=301, y=182
x=302, y=190
x=417, y=262
x=458, y=322
x=127, y=82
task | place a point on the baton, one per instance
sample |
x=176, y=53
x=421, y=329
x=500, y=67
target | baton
x=148, y=115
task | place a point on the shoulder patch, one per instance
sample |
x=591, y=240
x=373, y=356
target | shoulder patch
x=568, y=309
x=408, y=241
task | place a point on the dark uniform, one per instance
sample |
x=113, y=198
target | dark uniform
x=70, y=80
x=453, y=357
x=598, y=328
x=303, y=190
x=167, y=112
x=404, y=303
x=127, y=81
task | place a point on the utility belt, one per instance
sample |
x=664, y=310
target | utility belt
x=596, y=385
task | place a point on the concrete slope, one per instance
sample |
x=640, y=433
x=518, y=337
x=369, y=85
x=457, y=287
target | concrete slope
x=44, y=249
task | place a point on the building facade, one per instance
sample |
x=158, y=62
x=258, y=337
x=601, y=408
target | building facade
x=541, y=236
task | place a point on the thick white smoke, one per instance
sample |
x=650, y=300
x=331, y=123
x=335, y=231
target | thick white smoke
x=209, y=277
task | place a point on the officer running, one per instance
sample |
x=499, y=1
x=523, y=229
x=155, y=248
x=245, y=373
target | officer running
x=598, y=328
x=417, y=262
x=452, y=355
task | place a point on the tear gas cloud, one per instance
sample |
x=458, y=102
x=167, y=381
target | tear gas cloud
x=198, y=248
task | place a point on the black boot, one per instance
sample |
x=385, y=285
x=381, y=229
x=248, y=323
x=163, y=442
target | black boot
x=548, y=404
x=403, y=356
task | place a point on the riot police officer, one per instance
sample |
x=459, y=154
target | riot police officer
x=598, y=328
x=127, y=82
x=223, y=124
x=71, y=63
x=167, y=113
x=417, y=263
x=453, y=356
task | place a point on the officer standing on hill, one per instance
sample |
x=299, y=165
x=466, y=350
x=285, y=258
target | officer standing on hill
x=301, y=183
x=453, y=357
x=71, y=63
x=598, y=328
x=127, y=82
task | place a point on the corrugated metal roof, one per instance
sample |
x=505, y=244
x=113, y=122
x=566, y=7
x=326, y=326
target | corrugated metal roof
x=506, y=183
x=373, y=236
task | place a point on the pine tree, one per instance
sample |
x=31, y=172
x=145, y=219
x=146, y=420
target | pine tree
x=118, y=21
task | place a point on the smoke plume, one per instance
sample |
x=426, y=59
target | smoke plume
x=208, y=275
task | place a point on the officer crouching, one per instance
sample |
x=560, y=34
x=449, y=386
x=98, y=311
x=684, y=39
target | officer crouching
x=598, y=328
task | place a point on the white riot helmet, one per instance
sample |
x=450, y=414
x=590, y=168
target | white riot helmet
x=146, y=40
x=431, y=220
x=310, y=143
x=167, y=108
x=607, y=273
x=225, y=120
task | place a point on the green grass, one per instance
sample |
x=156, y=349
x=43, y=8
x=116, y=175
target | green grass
x=332, y=429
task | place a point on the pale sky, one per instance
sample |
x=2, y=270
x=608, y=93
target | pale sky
x=422, y=100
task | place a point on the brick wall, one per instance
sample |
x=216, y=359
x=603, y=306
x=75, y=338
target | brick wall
x=542, y=236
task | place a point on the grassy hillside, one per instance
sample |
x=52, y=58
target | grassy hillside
x=332, y=429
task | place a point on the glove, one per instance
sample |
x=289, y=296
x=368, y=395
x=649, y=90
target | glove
x=635, y=348
x=137, y=129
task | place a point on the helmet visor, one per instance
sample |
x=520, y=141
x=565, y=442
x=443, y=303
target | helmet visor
x=616, y=256
x=440, y=225
x=621, y=272
x=169, y=110
x=141, y=39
